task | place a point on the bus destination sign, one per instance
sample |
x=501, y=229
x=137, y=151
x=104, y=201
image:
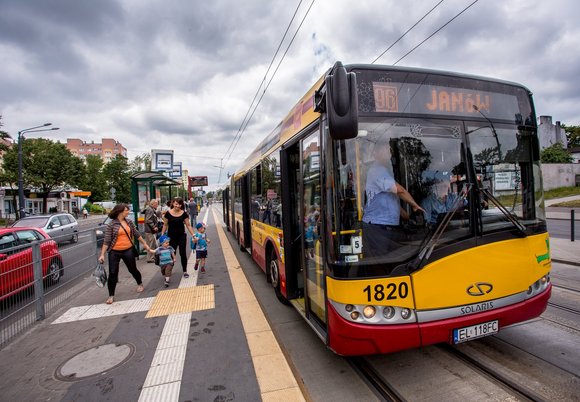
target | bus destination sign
x=392, y=97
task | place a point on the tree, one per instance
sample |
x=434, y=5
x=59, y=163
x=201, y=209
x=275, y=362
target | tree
x=94, y=179
x=556, y=154
x=46, y=165
x=118, y=177
x=7, y=177
x=141, y=163
x=4, y=137
x=573, y=135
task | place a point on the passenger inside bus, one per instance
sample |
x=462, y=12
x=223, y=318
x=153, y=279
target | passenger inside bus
x=441, y=199
x=382, y=231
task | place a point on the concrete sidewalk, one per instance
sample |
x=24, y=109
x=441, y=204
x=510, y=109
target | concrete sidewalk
x=565, y=251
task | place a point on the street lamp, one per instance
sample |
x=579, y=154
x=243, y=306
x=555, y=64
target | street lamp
x=21, y=213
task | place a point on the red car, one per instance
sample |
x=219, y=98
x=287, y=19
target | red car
x=16, y=268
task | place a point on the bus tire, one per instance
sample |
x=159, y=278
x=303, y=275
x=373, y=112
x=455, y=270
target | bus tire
x=274, y=276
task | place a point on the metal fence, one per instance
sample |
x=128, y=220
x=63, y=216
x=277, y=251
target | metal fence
x=38, y=275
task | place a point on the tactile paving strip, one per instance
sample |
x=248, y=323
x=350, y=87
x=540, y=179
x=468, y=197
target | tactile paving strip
x=182, y=300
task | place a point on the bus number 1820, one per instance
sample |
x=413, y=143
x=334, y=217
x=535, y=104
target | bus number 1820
x=390, y=292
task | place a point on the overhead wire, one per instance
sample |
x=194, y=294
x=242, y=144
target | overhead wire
x=406, y=32
x=273, y=75
x=435, y=32
x=247, y=119
x=264, y=79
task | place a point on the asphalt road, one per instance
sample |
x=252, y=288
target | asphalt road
x=561, y=228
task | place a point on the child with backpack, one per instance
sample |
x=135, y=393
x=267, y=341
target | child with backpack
x=199, y=243
x=165, y=258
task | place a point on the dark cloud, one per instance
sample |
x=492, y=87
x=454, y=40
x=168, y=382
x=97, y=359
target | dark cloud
x=174, y=74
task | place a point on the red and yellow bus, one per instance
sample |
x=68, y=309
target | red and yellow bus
x=474, y=259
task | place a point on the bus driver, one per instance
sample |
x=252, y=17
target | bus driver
x=381, y=227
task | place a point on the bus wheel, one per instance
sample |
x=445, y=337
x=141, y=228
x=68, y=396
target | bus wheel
x=274, y=277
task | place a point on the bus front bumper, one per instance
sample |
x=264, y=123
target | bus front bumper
x=351, y=339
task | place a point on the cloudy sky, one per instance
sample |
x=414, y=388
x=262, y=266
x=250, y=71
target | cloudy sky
x=181, y=75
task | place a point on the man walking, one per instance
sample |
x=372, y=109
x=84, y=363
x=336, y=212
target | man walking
x=151, y=228
x=192, y=206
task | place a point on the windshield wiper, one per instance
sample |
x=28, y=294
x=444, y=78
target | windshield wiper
x=426, y=251
x=491, y=126
x=511, y=217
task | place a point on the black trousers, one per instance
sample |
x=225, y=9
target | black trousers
x=180, y=242
x=115, y=257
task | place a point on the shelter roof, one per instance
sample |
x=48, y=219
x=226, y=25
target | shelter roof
x=157, y=178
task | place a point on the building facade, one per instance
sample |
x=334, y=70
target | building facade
x=107, y=150
x=550, y=133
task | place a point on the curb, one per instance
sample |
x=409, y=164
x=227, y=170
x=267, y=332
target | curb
x=577, y=264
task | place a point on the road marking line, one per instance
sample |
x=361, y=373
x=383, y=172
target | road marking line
x=163, y=380
x=105, y=310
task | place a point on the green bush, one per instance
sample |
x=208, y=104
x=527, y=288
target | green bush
x=96, y=209
x=556, y=153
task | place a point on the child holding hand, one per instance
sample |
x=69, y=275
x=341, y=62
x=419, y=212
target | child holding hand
x=199, y=243
x=166, y=258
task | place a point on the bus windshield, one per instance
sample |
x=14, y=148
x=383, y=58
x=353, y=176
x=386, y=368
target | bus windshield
x=468, y=178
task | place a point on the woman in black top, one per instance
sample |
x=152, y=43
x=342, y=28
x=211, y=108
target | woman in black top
x=174, y=223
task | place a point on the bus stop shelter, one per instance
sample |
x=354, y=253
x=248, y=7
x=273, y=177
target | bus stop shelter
x=144, y=187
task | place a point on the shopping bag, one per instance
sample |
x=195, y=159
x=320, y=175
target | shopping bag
x=100, y=275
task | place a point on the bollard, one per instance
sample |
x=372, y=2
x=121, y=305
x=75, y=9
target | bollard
x=38, y=280
x=572, y=225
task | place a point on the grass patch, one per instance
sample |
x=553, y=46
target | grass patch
x=567, y=204
x=561, y=192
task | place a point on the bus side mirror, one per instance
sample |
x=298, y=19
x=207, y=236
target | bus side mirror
x=341, y=103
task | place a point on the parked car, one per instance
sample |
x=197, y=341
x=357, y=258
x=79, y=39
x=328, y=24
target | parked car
x=61, y=227
x=16, y=264
x=100, y=230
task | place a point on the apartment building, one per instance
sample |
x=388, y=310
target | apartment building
x=107, y=150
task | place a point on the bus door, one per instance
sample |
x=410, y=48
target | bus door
x=226, y=206
x=301, y=199
x=290, y=180
x=311, y=223
x=244, y=233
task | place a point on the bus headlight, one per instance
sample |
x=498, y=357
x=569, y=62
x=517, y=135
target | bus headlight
x=388, y=312
x=369, y=311
x=375, y=314
x=538, y=286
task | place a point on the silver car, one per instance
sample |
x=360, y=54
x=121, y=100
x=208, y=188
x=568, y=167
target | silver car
x=62, y=227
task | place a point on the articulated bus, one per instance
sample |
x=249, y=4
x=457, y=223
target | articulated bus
x=469, y=253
